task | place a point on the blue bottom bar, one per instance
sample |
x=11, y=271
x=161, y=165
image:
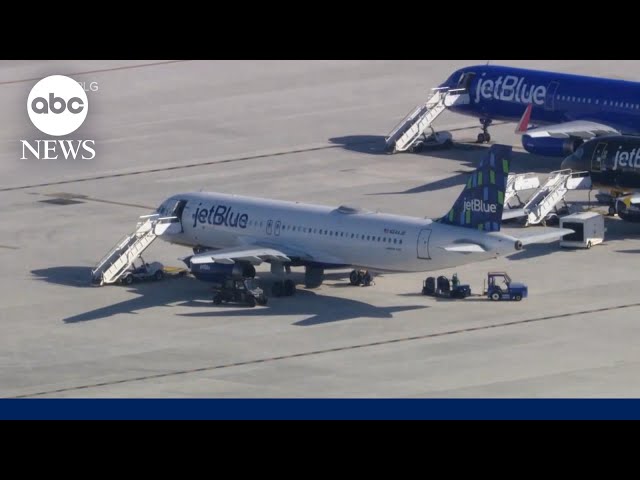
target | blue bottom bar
x=318, y=409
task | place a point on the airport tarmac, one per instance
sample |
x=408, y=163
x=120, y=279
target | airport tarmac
x=304, y=131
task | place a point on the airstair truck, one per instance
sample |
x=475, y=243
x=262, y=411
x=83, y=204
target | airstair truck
x=588, y=230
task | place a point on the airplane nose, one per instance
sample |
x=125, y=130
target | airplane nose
x=574, y=163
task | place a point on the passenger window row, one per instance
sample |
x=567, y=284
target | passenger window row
x=330, y=233
x=606, y=103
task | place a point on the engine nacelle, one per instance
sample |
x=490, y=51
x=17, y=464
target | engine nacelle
x=551, y=147
x=628, y=208
x=217, y=272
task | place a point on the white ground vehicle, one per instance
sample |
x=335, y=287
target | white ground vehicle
x=146, y=271
x=588, y=230
x=435, y=140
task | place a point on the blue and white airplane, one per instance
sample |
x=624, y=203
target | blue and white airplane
x=230, y=234
x=566, y=110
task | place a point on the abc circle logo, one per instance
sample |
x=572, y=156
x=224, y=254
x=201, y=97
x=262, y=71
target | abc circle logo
x=57, y=105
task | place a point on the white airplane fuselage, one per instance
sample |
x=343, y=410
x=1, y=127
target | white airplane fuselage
x=333, y=237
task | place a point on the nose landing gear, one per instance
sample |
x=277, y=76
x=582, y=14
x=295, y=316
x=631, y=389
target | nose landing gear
x=484, y=137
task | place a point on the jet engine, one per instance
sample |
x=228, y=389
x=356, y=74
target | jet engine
x=550, y=147
x=628, y=208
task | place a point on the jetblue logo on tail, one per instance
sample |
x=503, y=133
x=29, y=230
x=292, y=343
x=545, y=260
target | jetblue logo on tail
x=477, y=205
x=480, y=204
x=510, y=89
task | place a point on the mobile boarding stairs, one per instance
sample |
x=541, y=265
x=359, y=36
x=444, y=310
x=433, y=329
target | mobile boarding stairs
x=546, y=198
x=114, y=265
x=409, y=130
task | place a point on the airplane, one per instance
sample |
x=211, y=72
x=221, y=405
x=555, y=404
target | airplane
x=231, y=234
x=567, y=109
x=613, y=162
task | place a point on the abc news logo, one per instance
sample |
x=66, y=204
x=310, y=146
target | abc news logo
x=57, y=106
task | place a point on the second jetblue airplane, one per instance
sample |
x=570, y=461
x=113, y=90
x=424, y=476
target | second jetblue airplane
x=566, y=109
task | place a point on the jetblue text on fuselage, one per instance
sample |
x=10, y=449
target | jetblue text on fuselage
x=477, y=205
x=510, y=89
x=627, y=159
x=220, y=215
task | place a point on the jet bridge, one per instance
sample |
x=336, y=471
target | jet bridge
x=113, y=265
x=408, y=131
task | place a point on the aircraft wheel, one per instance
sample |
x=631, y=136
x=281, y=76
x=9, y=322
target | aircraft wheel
x=355, y=278
x=487, y=137
x=276, y=289
x=289, y=288
x=481, y=138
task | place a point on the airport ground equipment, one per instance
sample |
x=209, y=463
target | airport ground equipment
x=243, y=291
x=520, y=182
x=408, y=132
x=545, y=202
x=155, y=271
x=146, y=271
x=117, y=262
x=433, y=141
x=501, y=287
x=443, y=287
x=588, y=230
x=361, y=277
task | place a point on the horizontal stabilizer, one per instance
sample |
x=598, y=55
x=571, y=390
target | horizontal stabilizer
x=464, y=248
x=550, y=235
x=512, y=213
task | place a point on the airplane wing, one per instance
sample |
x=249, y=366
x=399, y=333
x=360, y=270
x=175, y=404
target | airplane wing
x=577, y=128
x=253, y=255
x=257, y=254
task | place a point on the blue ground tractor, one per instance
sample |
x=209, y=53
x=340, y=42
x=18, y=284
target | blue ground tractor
x=501, y=287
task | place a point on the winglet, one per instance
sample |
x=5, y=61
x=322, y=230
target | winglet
x=523, y=125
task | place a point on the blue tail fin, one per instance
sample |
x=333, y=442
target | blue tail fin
x=480, y=204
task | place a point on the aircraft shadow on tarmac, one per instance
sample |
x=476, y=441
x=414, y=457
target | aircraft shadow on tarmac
x=319, y=309
x=189, y=292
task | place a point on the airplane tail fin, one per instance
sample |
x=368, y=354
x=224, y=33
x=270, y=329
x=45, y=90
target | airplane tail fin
x=480, y=204
x=523, y=124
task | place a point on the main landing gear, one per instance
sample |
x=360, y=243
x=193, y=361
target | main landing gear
x=283, y=288
x=484, y=137
x=361, y=277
